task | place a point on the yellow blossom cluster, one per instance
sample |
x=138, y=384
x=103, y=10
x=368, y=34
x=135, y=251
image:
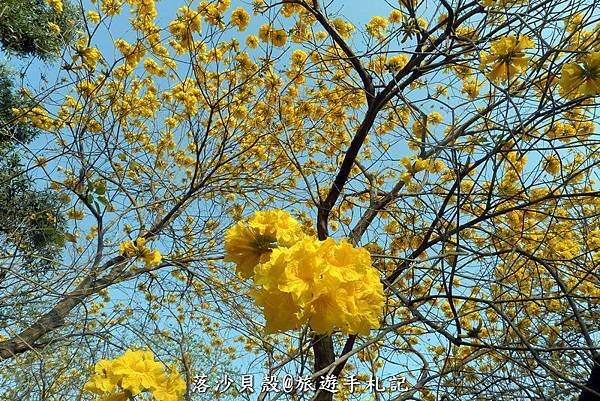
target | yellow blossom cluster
x=93, y=16
x=506, y=57
x=187, y=22
x=240, y=18
x=581, y=79
x=137, y=248
x=54, y=28
x=132, y=53
x=250, y=242
x=377, y=27
x=133, y=373
x=89, y=57
x=56, y=5
x=344, y=28
x=298, y=279
x=278, y=37
x=36, y=116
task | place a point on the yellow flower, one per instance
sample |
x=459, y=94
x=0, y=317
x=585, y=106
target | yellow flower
x=153, y=68
x=415, y=164
x=279, y=37
x=298, y=57
x=54, y=28
x=252, y=41
x=57, y=5
x=89, y=57
x=240, y=18
x=138, y=371
x=471, y=88
x=75, y=214
x=395, y=16
x=278, y=318
x=396, y=63
x=249, y=243
x=152, y=258
x=344, y=28
x=434, y=118
x=133, y=373
x=191, y=18
x=264, y=32
x=327, y=284
x=552, y=165
x=93, y=16
x=506, y=57
x=172, y=388
x=581, y=79
x=120, y=396
x=103, y=380
x=377, y=26
x=139, y=249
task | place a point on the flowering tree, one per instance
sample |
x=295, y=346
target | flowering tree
x=285, y=188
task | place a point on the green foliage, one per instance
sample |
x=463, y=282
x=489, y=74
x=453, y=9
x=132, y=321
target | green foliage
x=30, y=220
x=11, y=132
x=31, y=225
x=24, y=28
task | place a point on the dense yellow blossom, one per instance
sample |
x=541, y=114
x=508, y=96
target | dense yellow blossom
x=279, y=37
x=133, y=373
x=581, y=79
x=252, y=41
x=395, y=16
x=471, y=87
x=506, y=57
x=552, y=165
x=138, y=248
x=327, y=284
x=377, y=26
x=396, y=63
x=240, y=18
x=54, y=28
x=183, y=27
x=344, y=28
x=89, y=57
x=250, y=242
x=57, y=5
x=93, y=16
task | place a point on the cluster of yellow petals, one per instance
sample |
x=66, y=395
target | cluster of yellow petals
x=278, y=37
x=506, y=57
x=581, y=79
x=36, y=116
x=138, y=249
x=89, y=57
x=327, y=284
x=240, y=18
x=54, y=28
x=132, y=373
x=188, y=21
x=377, y=26
x=250, y=242
x=298, y=279
x=56, y=5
